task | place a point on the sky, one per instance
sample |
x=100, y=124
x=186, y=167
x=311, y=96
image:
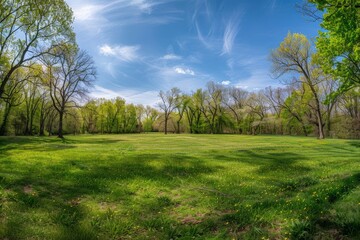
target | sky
x=143, y=46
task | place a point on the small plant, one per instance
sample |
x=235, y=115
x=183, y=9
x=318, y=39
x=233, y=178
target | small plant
x=301, y=230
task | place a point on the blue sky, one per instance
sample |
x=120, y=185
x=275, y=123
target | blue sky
x=143, y=46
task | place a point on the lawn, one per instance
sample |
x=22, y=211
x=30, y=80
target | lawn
x=152, y=186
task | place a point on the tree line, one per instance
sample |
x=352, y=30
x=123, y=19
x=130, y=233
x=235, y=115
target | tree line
x=45, y=77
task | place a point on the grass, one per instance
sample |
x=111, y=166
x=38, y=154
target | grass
x=151, y=186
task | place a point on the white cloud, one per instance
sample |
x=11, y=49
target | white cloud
x=231, y=31
x=171, y=57
x=184, y=71
x=225, y=83
x=95, y=16
x=87, y=12
x=124, y=53
x=130, y=95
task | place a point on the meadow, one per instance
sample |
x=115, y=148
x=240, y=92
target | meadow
x=152, y=186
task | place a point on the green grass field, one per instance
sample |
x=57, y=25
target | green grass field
x=152, y=186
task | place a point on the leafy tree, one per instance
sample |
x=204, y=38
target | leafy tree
x=140, y=112
x=212, y=108
x=151, y=114
x=339, y=43
x=235, y=100
x=194, y=111
x=295, y=55
x=32, y=97
x=181, y=105
x=28, y=29
x=168, y=104
x=89, y=114
x=12, y=95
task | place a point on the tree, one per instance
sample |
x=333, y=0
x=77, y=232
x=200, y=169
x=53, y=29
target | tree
x=12, y=95
x=168, y=104
x=180, y=106
x=140, y=112
x=28, y=29
x=46, y=110
x=31, y=92
x=235, y=100
x=151, y=114
x=295, y=56
x=89, y=114
x=212, y=109
x=70, y=74
x=339, y=43
x=257, y=105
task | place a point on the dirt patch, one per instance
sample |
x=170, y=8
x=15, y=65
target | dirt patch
x=191, y=220
x=75, y=202
x=28, y=189
x=105, y=206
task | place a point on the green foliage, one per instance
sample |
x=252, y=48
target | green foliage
x=27, y=24
x=339, y=43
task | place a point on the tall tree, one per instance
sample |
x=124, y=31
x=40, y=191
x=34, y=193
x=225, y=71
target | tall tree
x=235, y=100
x=32, y=97
x=151, y=114
x=339, y=42
x=295, y=56
x=168, y=104
x=180, y=106
x=212, y=109
x=28, y=29
x=12, y=96
x=71, y=72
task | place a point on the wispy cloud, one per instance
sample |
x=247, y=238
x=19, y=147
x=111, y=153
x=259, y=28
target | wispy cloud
x=100, y=14
x=201, y=37
x=88, y=12
x=184, y=71
x=171, y=57
x=232, y=29
x=124, y=53
x=130, y=95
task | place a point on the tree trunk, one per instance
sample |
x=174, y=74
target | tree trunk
x=166, y=123
x=42, y=123
x=60, y=130
x=178, y=127
x=42, y=128
x=328, y=125
x=5, y=120
x=304, y=130
x=320, y=125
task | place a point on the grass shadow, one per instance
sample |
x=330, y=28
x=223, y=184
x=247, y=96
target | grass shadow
x=354, y=143
x=60, y=188
x=267, y=161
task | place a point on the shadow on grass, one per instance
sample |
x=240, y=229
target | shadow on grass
x=354, y=143
x=319, y=221
x=59, y=189
x=46, y=144
x=267, y=161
